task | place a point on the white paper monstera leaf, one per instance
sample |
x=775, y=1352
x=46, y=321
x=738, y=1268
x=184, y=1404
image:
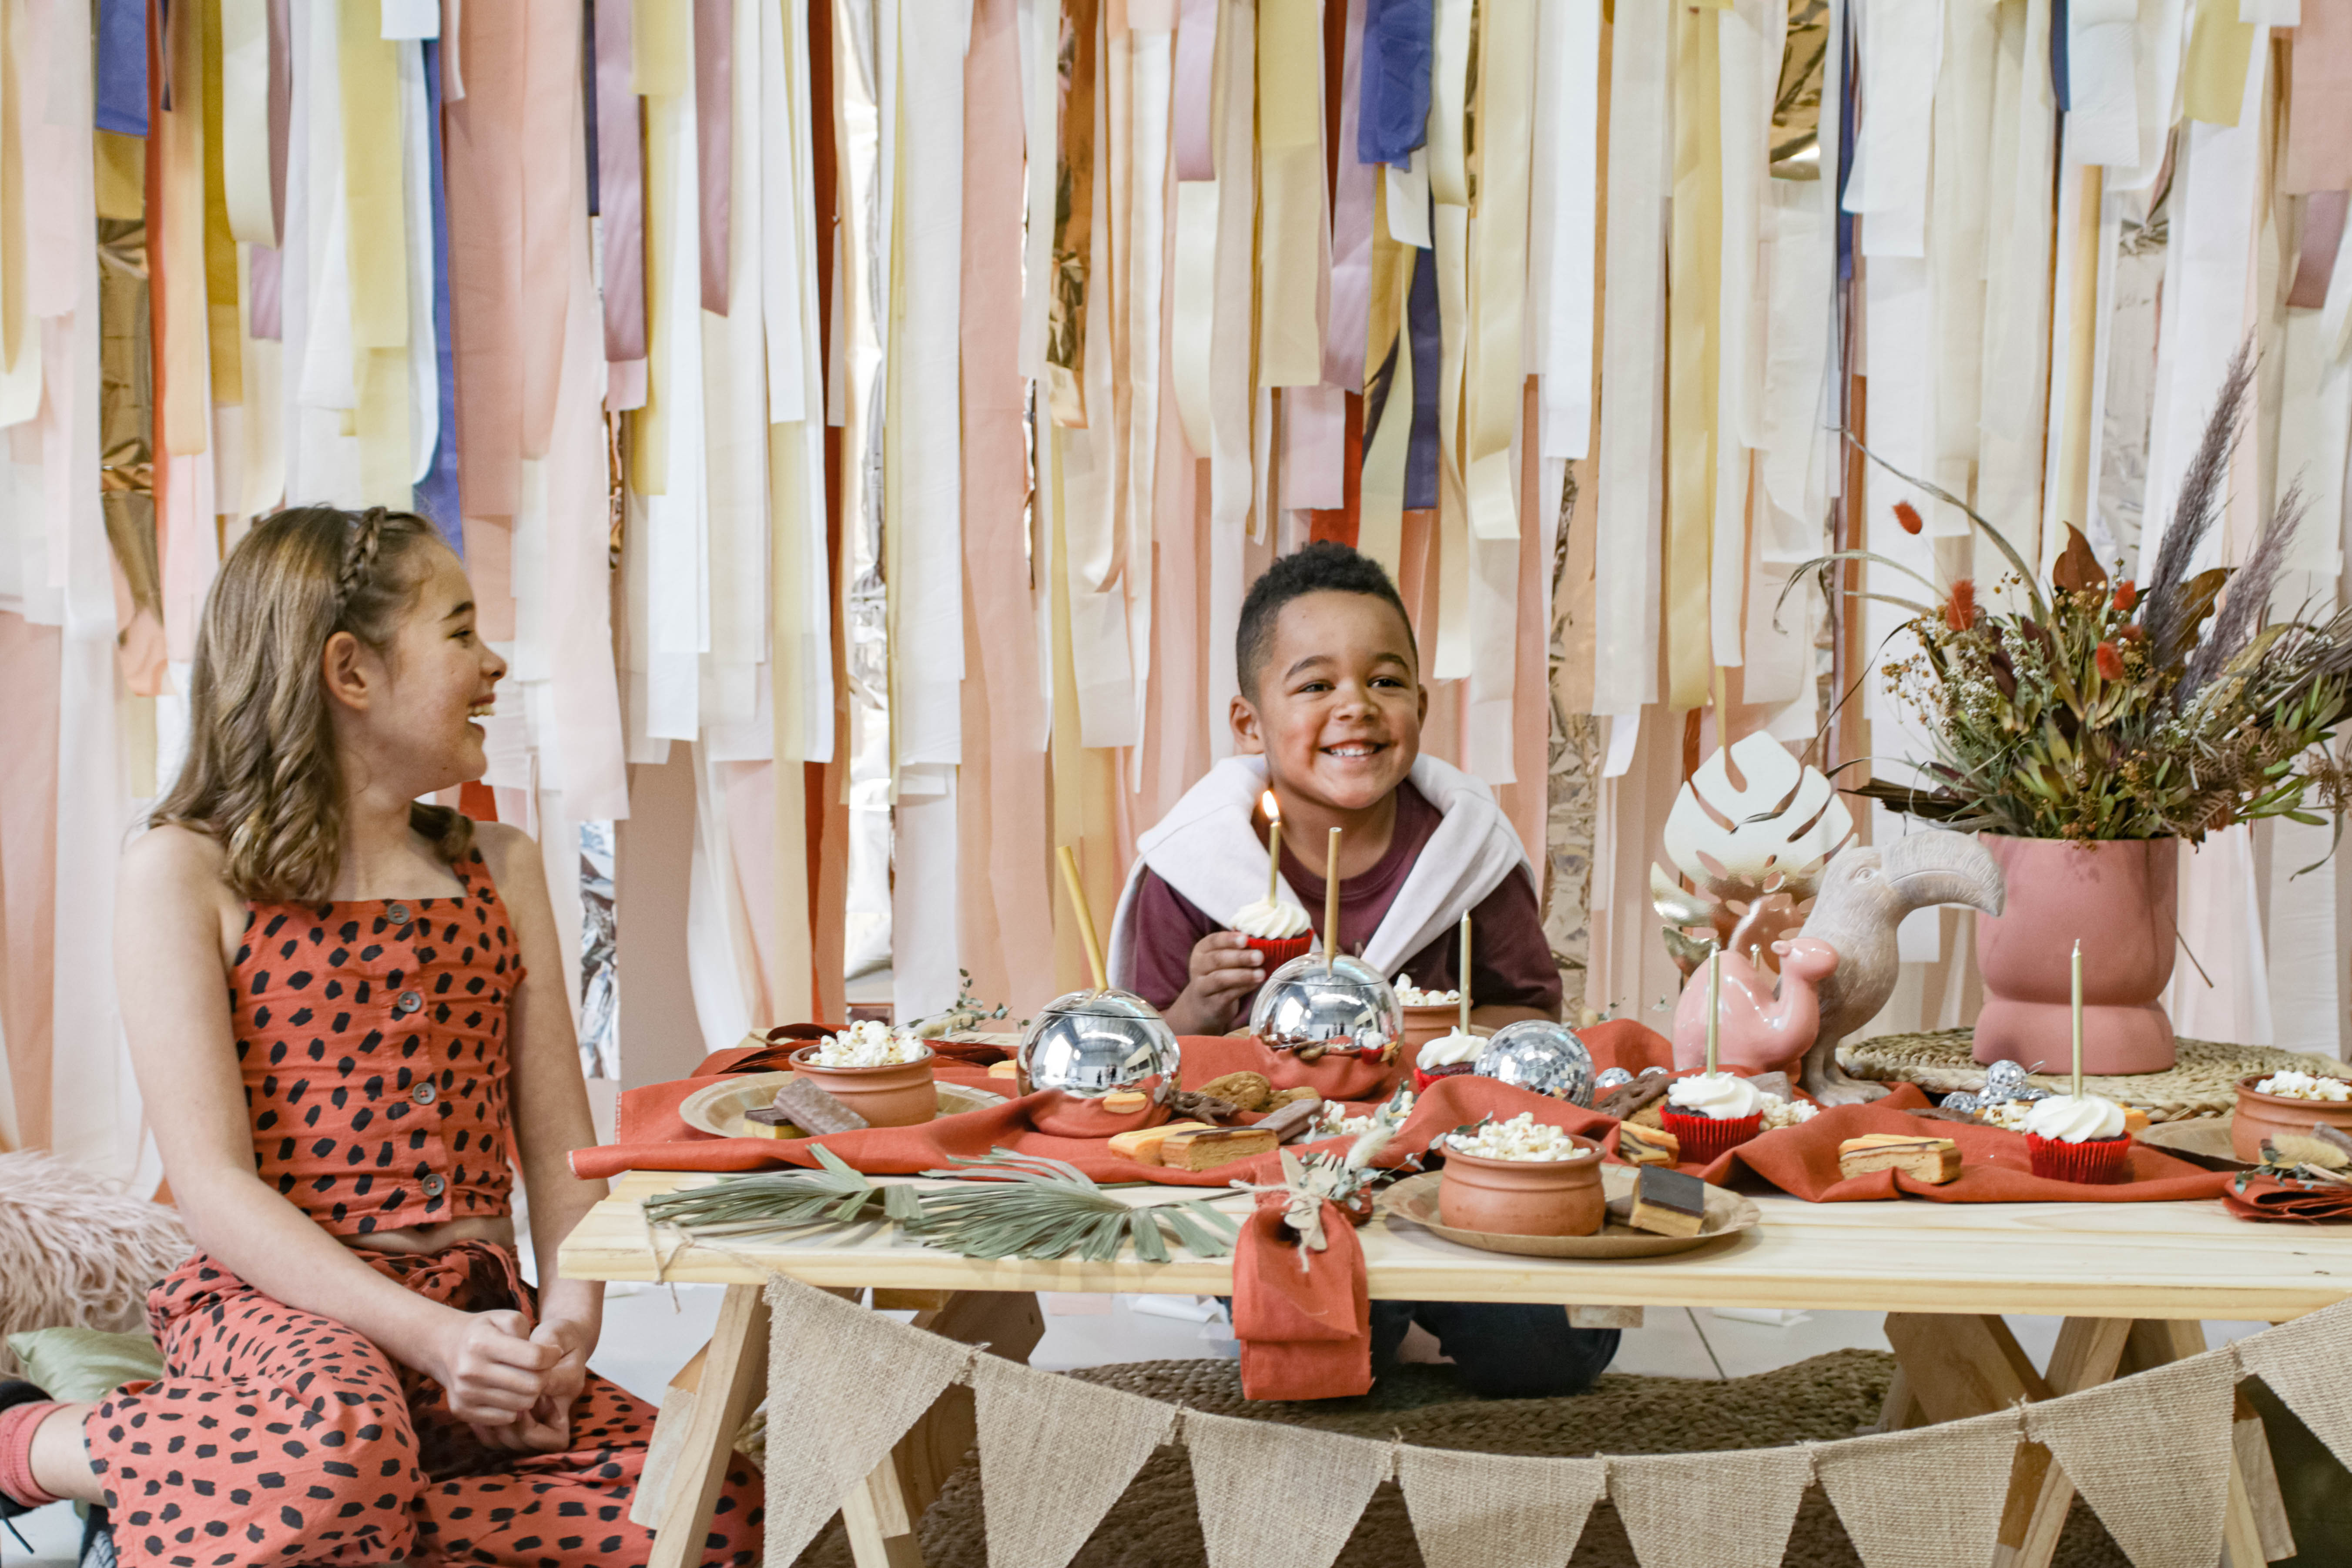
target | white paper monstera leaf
x=1753, y=846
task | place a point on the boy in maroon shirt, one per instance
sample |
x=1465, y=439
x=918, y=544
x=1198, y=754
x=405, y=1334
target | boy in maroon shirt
x=1328, y=718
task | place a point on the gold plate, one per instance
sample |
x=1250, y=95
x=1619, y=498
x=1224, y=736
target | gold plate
x=720, y=1108
x=1416, y=1198
x=2199, y=1139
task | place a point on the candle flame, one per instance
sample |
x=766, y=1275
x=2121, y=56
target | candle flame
x=1271, y=807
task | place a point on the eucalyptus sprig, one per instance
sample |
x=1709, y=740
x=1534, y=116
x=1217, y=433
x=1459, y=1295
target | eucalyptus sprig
x=783, y=1200
x=1028, y=1206
x=1008, y=1206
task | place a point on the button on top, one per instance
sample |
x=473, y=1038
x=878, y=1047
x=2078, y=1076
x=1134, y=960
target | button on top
x=434, y=1186
x=407, y=1002
x=424, y=1094
x=397, y=915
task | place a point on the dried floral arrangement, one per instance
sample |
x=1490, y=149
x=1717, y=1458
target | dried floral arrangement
x=2096, y=711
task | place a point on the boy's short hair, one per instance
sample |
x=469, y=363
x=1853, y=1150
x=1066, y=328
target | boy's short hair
x=1325, y=566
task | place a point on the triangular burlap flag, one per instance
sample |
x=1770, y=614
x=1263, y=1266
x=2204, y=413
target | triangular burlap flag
x=1272, y=1494
x=2304, y=1364
x=843, y=1384
x=1710, y=1511
x=2151, y=1454
x=1055, y=1454
x=1875, y=1485
x=1497, y=1511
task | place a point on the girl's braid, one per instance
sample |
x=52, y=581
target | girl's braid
x=359, y=556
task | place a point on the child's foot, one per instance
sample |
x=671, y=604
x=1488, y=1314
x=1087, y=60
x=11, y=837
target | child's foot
x=23, y=1408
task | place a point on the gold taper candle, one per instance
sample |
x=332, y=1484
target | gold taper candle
x=1273, y=809
x=1331, y=903
x=1463, y=979
x=1086, y=918
x=2078, y=1017
x=1714, y=1003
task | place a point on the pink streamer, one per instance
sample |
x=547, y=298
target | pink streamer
x=2319, y=155
x=2323, y=227
x=714, y=114
x=620, y=186
x=1196, y=69
x=1351, y=229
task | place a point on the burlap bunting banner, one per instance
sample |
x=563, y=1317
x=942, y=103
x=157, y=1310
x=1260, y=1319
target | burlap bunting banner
x=1272, y=1494
x=1497, y=1511
x=855, y=1379
x=1055, y=1454
x=1711, y=1510
x=1875, y=1485
x=2304, y=1364
x=2151, y=1454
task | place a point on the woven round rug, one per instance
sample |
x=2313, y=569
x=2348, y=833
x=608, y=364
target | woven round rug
x=1156, y=1524
x=2202, y=1082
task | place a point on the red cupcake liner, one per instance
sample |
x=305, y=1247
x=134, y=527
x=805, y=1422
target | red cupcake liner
x=1279, y=951
x=1705, y=1137
x=2100, y=1162
x=1422, y=1080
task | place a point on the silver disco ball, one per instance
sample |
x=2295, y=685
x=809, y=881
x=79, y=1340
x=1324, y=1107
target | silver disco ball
x=1346, y=1007
x=1541, y=1055
x=1094, y=1043
x=1610, y=1079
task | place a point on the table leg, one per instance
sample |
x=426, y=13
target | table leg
x=882, y=1512
x=734, y=1376
x=2089, y=1350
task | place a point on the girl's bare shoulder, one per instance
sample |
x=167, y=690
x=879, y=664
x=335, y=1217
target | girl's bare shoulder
x=169, y=859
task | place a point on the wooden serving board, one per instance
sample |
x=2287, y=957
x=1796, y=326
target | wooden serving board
x=719, y=1108
x=1415, y=1199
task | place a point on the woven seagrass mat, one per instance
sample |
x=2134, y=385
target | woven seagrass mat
x=1156, y=1524
x=2202, y=1082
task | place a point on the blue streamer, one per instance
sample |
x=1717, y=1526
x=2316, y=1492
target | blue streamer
x=1392, y=115
x=121, y=103
x=437, y=497
x=1421, y=449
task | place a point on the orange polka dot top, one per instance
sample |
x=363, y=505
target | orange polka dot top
x=372, y=1035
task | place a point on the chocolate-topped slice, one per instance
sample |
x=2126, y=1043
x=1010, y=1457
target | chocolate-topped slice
x=1667, y=1203
x=802, y=1103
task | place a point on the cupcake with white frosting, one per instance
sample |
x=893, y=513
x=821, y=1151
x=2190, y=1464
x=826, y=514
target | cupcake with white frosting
x=1711, y=1112
x=1448, y=1055
x=2073, y=1138
x=1279, y=931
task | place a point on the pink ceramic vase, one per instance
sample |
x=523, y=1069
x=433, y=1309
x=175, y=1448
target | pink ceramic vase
x=2117, y=896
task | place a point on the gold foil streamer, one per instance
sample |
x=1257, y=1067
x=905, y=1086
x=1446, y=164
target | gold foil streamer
x=1066, y=327
x=1795, y=151
x=1694, y=283
x=126, y=391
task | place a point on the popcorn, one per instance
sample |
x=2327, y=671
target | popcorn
x=1334, y=1124
x=868, y=1043
x=1520, y=1138
x=1407, y=994
x=1779, y=1113
x=2009, y=1114
x=2292, y=1085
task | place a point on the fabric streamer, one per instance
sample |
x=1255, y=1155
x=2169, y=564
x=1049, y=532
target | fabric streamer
x=1561, y=223
x=1294, y=251
x=1626, y=580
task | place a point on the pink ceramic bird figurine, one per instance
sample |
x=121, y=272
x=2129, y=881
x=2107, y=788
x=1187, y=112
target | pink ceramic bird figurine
x=1760, y=1032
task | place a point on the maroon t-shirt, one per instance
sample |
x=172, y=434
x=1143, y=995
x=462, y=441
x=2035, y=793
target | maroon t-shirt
x=1510, y=958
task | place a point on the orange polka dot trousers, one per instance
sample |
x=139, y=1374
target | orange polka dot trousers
x=278, y=1436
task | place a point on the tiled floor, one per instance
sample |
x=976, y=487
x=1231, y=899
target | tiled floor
x=650, y=1330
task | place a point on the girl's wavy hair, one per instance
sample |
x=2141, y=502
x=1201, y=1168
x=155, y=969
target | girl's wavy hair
x=262, y=778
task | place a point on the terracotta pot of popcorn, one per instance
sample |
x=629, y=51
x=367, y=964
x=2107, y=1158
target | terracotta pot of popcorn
x=898, y=1094
x=2260, y=1116
x=1523, y=1197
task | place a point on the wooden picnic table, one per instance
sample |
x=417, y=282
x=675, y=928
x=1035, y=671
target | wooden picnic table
x=2132, y=1281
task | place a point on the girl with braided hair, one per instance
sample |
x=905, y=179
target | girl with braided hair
x=345, y=1008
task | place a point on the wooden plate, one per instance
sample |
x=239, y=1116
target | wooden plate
x=1416, y=1198
x=2199, y=1139
x=720, y=1108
